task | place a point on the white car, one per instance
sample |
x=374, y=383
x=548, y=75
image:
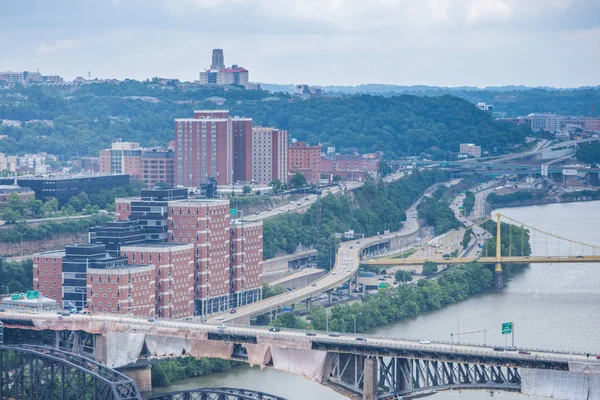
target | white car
x=426, y=341
x=221, y=318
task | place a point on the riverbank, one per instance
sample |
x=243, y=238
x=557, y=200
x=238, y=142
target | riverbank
x=545, y=201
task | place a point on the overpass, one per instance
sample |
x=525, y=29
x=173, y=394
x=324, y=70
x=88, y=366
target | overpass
x=370, y=366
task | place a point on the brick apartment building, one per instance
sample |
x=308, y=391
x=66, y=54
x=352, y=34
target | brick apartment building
x=122, y=158
x=158, y=167
x=305, y=159
x=212, y=144
x=349, y=167
x=269, y=155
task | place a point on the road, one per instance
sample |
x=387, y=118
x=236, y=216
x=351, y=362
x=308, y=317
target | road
x=345, y=268
x=287, y=336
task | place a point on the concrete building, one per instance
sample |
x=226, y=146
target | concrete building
x=305, y=159
x=212, y=144
x=219, y=74
x=543, y=121
x=158, y=168
x=122, y=158
x=12, y=77
x=269, y=155
x=8, y=163
x=470, y=150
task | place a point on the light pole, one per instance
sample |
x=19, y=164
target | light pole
x=354, y=318
x=458, y=329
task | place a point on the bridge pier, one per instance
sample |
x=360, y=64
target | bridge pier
x=370, y=379
x=141, y=375
x=330, y=295
x=498, y=278
x=307, y=304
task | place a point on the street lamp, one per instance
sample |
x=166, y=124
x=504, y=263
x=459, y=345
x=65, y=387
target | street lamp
x=354, y=317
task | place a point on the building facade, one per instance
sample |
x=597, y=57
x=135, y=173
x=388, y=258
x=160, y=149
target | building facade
x=269, y=155
x=212, y=144
x=470, y=150
x=350, y=167
x=305, y=159
x=122, y=158
x=158, y=168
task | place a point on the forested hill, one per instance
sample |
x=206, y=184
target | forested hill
x=88, y=119
x=396, y=125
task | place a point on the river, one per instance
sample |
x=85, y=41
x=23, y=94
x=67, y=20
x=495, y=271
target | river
x=552, y=306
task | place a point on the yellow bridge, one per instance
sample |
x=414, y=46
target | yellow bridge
x=486, y=260
x=578, y=252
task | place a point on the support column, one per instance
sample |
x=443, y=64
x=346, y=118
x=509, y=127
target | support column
x=307, y=304
x=330, y=295
x=142, y=377
x=370, y=379
x=100, y=352
x=498, y=278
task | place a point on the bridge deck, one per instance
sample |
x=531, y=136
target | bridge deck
x=486, y=260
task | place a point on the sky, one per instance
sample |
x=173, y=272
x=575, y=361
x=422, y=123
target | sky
x=318, y=42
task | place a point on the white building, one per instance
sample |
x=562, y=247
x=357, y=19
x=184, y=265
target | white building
x=269, y=155
x=544, y=121
x=485, y=107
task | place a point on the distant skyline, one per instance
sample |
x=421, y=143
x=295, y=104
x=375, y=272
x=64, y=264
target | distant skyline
x=318, y=42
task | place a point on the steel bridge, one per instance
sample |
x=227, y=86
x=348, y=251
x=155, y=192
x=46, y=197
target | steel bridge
x=587, y=253
x=218, y=393
x=36, y=372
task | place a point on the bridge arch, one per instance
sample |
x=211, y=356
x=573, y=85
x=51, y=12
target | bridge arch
x=216, y=393
x=38, y=372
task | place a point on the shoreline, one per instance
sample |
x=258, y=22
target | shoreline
x=540, y=202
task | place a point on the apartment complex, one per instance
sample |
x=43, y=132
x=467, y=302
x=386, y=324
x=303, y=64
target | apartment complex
x=158, y=168
x=269, y=155
x=212, y=144
x=470, y=150
x=122, y=158
x=305, y=159
x=543, y=121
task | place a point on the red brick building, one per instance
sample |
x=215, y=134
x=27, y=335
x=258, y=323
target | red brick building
x=172, y=277
x=126, y=289
x=47, y=274
x=246, y=260
x=305, y=159
x=158, y=167
x=212, y=144
x=349, y=167
x=122, y=158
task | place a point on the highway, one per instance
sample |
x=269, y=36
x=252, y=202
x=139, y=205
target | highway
x=370, y=341
x=345, y=268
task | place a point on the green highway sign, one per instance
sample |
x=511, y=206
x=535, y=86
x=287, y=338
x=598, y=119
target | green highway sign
x=14, y=296
x=507, y=328
x=32, y=294
x=232, y=211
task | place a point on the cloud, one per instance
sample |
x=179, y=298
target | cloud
x=56, y=46
x=482, y=10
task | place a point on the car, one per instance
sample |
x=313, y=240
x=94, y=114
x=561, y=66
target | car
x=232, y=311
x=274, y=329
x=361, y=339
x=498, y=348
x=33, y=311
x=151, y=320
x=257, y=212
x=60, y=317
x=2, y=310
x=221, y=318
x=511, y=348
x=598, y=357
x=334, y=334
x=524, y=352
x=292, y=202
x=64, y=313
x=306, y=198
x=333, y=273
x=313, y=285
x=351, y=247
x=425, y=341
x=311, y=334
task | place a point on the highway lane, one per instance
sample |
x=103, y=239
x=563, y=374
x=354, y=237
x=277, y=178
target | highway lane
x=370, y=341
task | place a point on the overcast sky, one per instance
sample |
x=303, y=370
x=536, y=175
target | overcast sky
x=323, y=42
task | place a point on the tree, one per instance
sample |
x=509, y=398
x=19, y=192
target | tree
x=9, y=215
x=298, y=180
x=429, y=268
x=289, y=320
x=17, y=204
x=36, y=207
x=276, y=185
x=246, y=189
x=337, y=178
x=269, y=291
x=403, y=276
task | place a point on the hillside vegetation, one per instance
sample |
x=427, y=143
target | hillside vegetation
x=88, y=119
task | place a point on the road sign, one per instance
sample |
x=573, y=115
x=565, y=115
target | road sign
x=232, y=211
x=507, y=328
x=32, y=294
x=14, y=296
